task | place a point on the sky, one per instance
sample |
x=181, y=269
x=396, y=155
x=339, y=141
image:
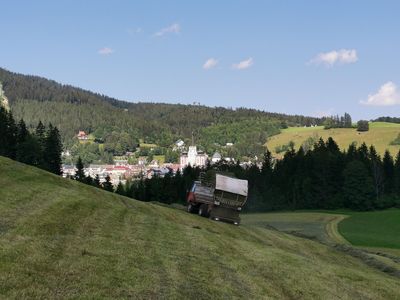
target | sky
x=296, y=57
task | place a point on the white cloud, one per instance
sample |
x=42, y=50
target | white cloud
x=343, y=56
x=105, y=51
x=134, y=31
x=386, y=96
x=210, y=63
x=174, y=28
x=243, y=64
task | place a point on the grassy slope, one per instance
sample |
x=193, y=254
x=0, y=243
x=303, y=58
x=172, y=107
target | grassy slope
x=379, y=135
x=61, y=239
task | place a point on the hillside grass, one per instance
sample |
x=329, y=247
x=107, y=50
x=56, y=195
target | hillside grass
x=60, y=239
x=380, y=135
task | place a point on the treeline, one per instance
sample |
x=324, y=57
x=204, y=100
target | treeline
x=40, y=149
x=338, y=122
x=387, y=119
x=322, y=178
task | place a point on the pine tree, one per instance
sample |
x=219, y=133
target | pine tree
x=357, y=187
x=107, y=185
x=8, y=134
x=40, y=134
x=96, y=181
x=25, y=152
x=53, y=149
x=80, y=172
x=396, y=183
x=388, y=172
x=120, y=189
x=347, y=121
x=375, y=165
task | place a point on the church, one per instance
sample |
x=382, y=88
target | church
x=193, y=157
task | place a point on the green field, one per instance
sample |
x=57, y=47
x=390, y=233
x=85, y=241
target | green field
x=60, y=239
x=380, y=135
x=375, y=229
x=379, y=229
x=376, y=233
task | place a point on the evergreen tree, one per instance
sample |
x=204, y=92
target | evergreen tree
x=8, y=134
x=357, y=188
x=96, y=181
x=375, y=165
x=40, y=134
x=396, y=181
x=53, y=149
x=388, y=172
x=120, y=189
x=362, y=125
x=347, y=121
x=107, y=185
x=80, y=172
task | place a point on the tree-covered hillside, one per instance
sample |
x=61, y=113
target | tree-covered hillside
x=71, y=109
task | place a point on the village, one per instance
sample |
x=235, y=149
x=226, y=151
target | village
x=122, y=171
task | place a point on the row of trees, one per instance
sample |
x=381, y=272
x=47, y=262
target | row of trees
x=338, y=122
x=41, y=149
x=321, y=178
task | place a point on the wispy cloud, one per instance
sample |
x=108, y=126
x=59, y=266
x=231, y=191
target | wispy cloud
x=210, y=63
x=244, y=64
x=174, y=28
x=105, y=51
x=387, y=95
x=134, y=31
x=343, y=56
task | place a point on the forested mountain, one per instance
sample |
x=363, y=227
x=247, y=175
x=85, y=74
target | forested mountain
x=71, y=109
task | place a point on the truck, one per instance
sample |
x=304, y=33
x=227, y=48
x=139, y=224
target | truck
x=218, y=196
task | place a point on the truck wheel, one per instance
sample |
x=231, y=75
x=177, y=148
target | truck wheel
x=191, y=208
x=203, y=210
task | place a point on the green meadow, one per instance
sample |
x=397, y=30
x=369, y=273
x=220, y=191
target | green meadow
x=380, y=135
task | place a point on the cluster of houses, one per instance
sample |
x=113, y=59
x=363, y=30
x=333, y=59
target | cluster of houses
x=121, y=170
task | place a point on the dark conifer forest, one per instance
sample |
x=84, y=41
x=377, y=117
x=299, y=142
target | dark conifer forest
x=42, y=148
x=322, y=178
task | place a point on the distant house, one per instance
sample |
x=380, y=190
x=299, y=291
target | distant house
x=229, y=144
x=82, y=136
x=68, y=170
x=216, y=157
x=180, y=143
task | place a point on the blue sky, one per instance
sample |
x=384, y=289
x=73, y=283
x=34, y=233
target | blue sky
x=305, y=57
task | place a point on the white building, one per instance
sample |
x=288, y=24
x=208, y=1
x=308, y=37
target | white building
x=193, y=157
x=216, y=157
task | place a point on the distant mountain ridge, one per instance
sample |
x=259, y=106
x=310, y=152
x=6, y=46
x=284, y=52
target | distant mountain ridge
x=72, y=109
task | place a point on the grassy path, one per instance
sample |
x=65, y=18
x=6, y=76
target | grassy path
x=332, y=229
